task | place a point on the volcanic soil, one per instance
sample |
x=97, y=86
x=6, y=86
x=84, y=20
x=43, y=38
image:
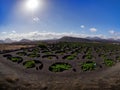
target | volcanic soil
x=15, y=76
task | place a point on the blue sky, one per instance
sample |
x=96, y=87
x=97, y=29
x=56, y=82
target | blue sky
x=56, y=18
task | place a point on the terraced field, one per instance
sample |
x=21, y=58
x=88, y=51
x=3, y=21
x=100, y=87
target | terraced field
x=63, y=60
x=81, y=57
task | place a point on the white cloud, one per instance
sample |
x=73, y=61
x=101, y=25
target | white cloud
x=4, y=32
x=82, y=26
x=13, y=31
x=36, y=19
x=112, y=32
x=36, y=35
x=93, y=30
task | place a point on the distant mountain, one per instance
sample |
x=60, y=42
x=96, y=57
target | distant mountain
x=8, y=40
x=98, y=39
x=88, y=39
x=74, y=39
x=93, y=38
x=1, y=41
x=25, y=40
x=118, y=40
x=63, y=39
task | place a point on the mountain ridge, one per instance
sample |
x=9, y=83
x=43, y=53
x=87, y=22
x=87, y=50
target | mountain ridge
x=64, y=39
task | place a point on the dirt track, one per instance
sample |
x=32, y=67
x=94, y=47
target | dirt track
x=12, y=47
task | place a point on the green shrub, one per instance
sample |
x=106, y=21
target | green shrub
x=36, y=50
x=71, y=57
x=59, y=67
x=109, y=62
x=42, y=45
x=48, y=53
x=103, y=56
x=15, y=59
x=89, y=65
x=29, y=64
x=21, y=53
x=89, y=56
x=33, y=55
x=88, y=52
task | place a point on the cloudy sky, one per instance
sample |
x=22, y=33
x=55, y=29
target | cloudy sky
x=47, y=19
